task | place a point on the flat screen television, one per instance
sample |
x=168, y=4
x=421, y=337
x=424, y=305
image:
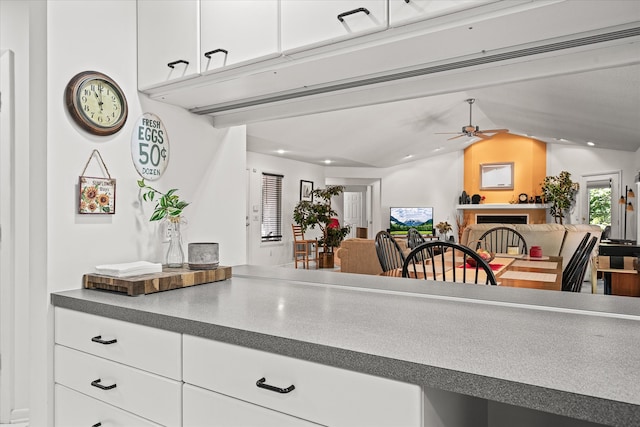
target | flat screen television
x=402, y=219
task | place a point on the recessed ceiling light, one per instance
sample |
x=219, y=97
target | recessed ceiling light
x=590, y=144
x=408, y=156
x=326, y=162
x=438, y=149
x=280, y=151
x=561, y=139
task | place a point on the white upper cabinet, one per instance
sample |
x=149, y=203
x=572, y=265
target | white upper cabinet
x=167, y=41
x=237, y=32
x=407, y=11
x=311, y=23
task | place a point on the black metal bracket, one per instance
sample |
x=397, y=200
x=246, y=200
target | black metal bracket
x=97, y=425
x=96, y=383
x=351, y=12
x=179, y=61
x=211, y=52
x=261, y=383
x=99, y=339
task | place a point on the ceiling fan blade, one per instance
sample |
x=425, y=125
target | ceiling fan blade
x=494, y=130
x=455, y=137
x=481, y=135
x=448, y=133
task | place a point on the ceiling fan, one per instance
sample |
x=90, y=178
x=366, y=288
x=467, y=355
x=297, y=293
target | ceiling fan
x=471, y=130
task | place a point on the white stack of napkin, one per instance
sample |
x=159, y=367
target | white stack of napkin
x=129, y=269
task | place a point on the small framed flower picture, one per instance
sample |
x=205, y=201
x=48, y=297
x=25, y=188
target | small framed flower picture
x=97, y=195
x=306, y=190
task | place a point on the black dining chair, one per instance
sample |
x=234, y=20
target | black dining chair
x=414, y=238
x=499, y=239
x=389, y=253
x=575, y=257
x=452, y=261
x=572, y=280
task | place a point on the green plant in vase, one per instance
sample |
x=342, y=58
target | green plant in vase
x=169, y=206
x=444, y=228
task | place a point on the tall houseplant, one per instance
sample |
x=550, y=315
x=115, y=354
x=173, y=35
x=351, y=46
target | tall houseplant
x=560, y=192
x=319, y=213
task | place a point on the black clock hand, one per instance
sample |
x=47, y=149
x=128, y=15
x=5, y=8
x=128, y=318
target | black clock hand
x=100, y=97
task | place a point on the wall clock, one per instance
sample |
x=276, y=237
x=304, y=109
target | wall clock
x=96, y=103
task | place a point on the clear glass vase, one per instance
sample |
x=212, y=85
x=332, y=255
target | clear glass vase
x=175, y=254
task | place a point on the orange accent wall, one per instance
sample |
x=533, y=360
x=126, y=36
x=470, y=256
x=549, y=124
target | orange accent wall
x=529, y=157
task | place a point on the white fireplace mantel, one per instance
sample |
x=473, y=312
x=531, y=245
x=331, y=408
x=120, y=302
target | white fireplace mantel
x=514, y=206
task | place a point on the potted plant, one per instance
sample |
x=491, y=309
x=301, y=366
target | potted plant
x=168, y=206
x=560, y=192
x=319, y=213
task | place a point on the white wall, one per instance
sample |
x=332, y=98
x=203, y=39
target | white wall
x=207, y=165
x=588, y=161
x=435, y=182
x=276, y=253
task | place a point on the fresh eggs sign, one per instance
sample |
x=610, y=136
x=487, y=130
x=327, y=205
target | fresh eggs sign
x=150, y=147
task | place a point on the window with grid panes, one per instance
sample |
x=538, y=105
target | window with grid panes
x=271, y=207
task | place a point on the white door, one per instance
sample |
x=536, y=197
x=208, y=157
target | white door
x=600, y=203
x=6, y=230
x=353, y=211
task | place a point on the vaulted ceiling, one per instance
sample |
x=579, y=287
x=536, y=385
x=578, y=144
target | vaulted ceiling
x=601, y=106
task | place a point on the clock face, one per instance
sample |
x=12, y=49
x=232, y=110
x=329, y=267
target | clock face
x=96, y=103
x=523, y=197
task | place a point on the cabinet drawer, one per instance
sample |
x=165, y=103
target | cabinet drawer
x=150, y=396
x=322, y=394
x=206, y=408
x=75, y=409
x=151, y=349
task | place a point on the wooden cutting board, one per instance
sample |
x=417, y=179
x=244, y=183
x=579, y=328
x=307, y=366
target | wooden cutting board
x=169, y=278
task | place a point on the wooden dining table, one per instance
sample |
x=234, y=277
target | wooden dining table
x=518, y=271
x=528, y=272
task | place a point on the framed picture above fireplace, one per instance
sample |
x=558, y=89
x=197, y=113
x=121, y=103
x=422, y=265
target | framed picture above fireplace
x=496, y=176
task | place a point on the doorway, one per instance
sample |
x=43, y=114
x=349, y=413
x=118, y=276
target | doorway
x=354, y=211
x=600, y=202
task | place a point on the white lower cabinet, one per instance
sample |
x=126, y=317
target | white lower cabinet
x=206, y=408
x=311, y=391
x=73, y=409
x=148, y=395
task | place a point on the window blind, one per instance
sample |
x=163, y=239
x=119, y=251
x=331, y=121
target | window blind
x=271, y=207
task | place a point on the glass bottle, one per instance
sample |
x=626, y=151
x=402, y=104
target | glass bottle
x=175, y=254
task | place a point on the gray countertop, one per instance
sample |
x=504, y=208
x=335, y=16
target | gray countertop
x=569, y=354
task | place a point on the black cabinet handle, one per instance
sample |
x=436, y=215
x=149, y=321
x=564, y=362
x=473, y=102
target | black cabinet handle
x=96, y=383
x=407, y=1
x=351, y=12
x=97, y=425
x=211, y=52
x=99, y=339
x=262, y=384
x=179, y=61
